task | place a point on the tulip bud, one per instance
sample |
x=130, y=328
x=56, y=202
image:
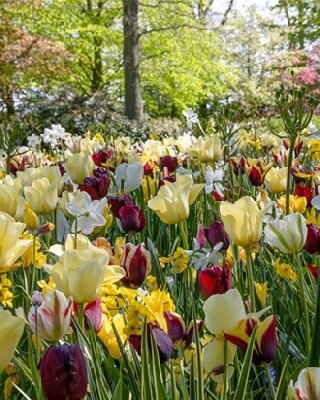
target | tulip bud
x=176, y=327
x=312, y=244
x=214, y=280
x=132, y=218
x=147, y=169
x=63, y=373
x=216, y=234
x=163, y=342
x=102, y=156
x=169, y=162
x=45, y=228
x=96, y=186
x=93, y=314
x=30, y=218
x=118, y=202
x=51, y=318
x=136, y=261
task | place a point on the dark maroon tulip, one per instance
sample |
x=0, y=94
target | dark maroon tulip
x=118, y=202
x=96, y=186
x=176, y=326
x=214, y=280
x=190, y=332
x=63, y=373
x=216, y=234
x=169, y=178
x=169, y=162
x=136, y=261
x=93, y=314
x=312, y=244
x=163, y=342
x=132, y=218
x=102, y=156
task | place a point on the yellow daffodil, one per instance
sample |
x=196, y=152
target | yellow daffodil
x=243, y=221
x=314, y=149
x=296, y=204
x=261, y=292
x=284, y=270
x=312, y=217
x=108, y=336
x=173, y=200
x=46, y=287
x=5, y=293
x=276, y=180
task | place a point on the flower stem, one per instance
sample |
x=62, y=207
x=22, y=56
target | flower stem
x=273, y=393
x=290, y=159
x=315, y=346
x=250, y=279
x=183, y=233
x=304, y=303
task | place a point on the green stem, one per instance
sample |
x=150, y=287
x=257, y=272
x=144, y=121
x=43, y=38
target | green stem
x=81, y=316
x=290, y=159
x=250, y=279
x=315, y=346
x=304, y=303
x=273, y=393
x=183, y=233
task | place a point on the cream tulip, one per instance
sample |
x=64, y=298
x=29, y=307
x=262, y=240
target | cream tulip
x=208, y=149
x=11, y=201
x=172, y=203
x=11, y=247
x=81, y=272
x=276, y=180
x=42, y=196
x=79, y=166
x=307, y=386
x=222, y=313
x=243, y=221
x=11, y=329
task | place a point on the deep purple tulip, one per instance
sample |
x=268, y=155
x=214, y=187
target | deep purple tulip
x=132, y=218
x=96, y=186
x=216, y=234
x=169, y=162
x=118, y=202
x=63, y=373
x=312, y=244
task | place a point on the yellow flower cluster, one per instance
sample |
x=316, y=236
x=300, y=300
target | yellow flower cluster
x=5, y=294
x=313, y=218
x=40, y=259
x=296, y=204
x=46, y=287
x=179, y=260
x=285, y=270
x=116, y=299
x=150, y=307
x=314, y=149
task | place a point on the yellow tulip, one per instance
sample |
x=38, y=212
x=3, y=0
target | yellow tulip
x=276, y=180
x=208, y=149
x=30, y=218
x=11, y=201
x=243, y=221
x=11, y=247
x=79, y=166
x=172, y=202
x=11, y=329
x=108, y=336
x=81, y=272
x=42, y=196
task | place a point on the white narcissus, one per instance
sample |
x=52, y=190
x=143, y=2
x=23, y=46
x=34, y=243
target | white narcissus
x=288, y=234
x=243, y=220
x=88, y=213
x=307, y=386
x=11, y=247
x=81, y=271
x=172, y=203
x=222, y=313
x=51, y=319
x=11, y=329
x=129, y=176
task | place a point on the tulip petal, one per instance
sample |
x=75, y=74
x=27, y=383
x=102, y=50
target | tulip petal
x=267, y=339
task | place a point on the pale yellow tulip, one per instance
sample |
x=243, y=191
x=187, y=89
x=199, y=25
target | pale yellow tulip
x=79, y=166
x=11, y=329
x=11, y=247
x=276, y=180
x=11, y=201
x=172, y=202
x=208, y=149
x=42, y=196
x=243, y=221
x=81, y=272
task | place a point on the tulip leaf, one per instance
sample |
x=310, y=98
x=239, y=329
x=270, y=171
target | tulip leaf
x=146, y=384
x=282, y=381
x=245, y=370
x=155, y=263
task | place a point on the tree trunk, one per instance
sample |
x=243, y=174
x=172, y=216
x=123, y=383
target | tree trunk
x=131, y=54
x=8, y=101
